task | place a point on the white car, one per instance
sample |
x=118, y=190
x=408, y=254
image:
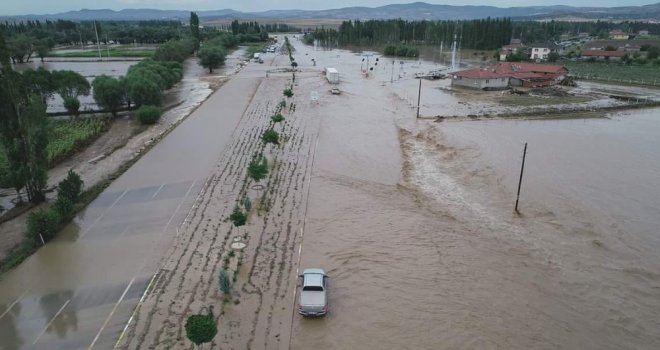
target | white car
x=313, y=298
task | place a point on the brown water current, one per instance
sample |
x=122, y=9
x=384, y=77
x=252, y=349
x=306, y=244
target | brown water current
x=414, y=223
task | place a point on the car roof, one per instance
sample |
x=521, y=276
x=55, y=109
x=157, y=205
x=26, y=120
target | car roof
x=313, y=279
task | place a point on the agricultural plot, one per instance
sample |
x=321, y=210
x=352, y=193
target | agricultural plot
x=647, y=74
x=69, y=136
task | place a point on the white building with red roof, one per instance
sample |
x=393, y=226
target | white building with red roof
x=506, y=74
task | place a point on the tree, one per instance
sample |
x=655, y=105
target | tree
x=40, y=82
x=194, y=29
x=211, y=57
x=258, y=168
x=72, y=105
x=288, y=92
x=271, y=136
x=70, y=84
x=201, y=329
x=24, y=131
x=71, y=187
x=21, y=48
x=553, y=57
x=143, y=91
x=108, y=93
x=43, y=46
x=41, y=225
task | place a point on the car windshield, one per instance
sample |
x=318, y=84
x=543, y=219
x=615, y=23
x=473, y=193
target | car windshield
x=313, y=288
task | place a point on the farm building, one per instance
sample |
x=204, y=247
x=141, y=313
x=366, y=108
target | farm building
x=507, y=74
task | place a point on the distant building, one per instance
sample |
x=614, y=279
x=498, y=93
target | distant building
x=632, y=48
x=603, y=55
x=643, y=32
x=507, y=50
x=507, y=74
x=584, y=35
x=540, y=51
x=619, y=35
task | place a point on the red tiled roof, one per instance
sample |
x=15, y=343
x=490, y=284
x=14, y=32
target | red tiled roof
x=528, y=67
x=480, y=73
x=599, y=53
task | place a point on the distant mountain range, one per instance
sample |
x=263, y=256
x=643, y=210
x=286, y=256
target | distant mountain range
x=412, y=11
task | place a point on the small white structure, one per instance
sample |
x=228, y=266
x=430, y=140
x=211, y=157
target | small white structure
x=539, y=53
x=332, y=75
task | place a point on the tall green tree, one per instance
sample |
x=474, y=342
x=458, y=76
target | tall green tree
x=23, y=131
x=40, y=82
x=194, y=29
x=211, y=57
x=70, y=84
x=109, y=93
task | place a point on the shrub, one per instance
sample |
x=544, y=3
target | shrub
x=72, y=105
x=277, y=118
x=64, y=209
x=271, y=136
x=42, y=223
x=148, y=114
x=225, y=282
x=258, y=168
x=201, y=328
x=288, y=92
x=237, y=217
x=71, y=187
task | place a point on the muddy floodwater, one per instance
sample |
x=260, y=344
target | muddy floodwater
x=441, y=260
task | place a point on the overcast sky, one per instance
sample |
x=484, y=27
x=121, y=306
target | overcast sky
x=22, y=7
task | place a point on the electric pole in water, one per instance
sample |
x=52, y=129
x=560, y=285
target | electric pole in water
x=419, y=95
x=522, y=169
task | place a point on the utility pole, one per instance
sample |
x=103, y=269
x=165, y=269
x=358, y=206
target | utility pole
x=107, y=46
x=522, y=169
x=419, y=95
x=98, y=44
x=392, y=76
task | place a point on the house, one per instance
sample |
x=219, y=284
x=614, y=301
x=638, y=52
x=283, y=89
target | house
x=506, y=74
x=507, y=50
x=540, y=51
x=619, y=35
x=584, y=34
x=603, y=55
x=643, y=32
x=480, y=78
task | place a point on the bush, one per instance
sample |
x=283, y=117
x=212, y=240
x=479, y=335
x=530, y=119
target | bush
x=72, y=105
x=148, y=114
x=277, y=118
x=224, y=282
x=271, y=136
x=201, y=328
x=237, y=217
x=288, y=92
x=258, y=168
x=42, y=223
x=64, y=209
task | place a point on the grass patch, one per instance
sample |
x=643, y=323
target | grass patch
x=94, y=53
x=638, y=74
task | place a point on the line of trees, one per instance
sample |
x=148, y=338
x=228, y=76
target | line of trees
x=479, y=34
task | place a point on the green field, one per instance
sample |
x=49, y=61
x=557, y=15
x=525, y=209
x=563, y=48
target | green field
x=67, y=137
x=616, y=72
x=114, y=52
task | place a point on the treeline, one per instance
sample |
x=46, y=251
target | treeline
x=480, y=34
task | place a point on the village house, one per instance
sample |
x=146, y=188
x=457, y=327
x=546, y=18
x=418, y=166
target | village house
x=643, y=32
x=540, y=51
x=603, y=55
x=507, y=50
x=508, y=74
x=619, y=35
x=631, y=48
